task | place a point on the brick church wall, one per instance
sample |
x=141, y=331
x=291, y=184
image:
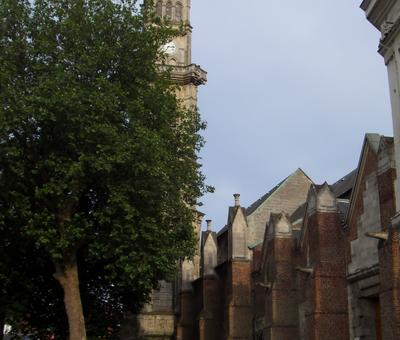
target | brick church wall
x=326, y=288
x=281, y=318
x=209, y=319
x=386, y=195
x=238, y=307
x=186, y=320
x=258, y=294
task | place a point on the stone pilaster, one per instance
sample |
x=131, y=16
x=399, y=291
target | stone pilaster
x=239, y=309
x=324, y=269
x=385, y=16
x=389, y=260
x=281, y=308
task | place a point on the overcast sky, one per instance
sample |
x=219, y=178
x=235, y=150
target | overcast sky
x=290, y=84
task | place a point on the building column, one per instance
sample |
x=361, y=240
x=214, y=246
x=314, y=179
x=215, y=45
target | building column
x=279, y=279
x=389, y=260
x=323, y=274
x=385, y=16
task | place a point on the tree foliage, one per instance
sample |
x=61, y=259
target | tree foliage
x=98, y=164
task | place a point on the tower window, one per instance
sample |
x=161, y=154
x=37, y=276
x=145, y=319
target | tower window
x=159, y=9
x=178, y=11
x=168, y=12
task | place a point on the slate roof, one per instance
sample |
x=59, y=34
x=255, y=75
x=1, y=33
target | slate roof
x=253, y=207
x=343, y=186
x=224, y=229
x=343, y=206
x=298, y=213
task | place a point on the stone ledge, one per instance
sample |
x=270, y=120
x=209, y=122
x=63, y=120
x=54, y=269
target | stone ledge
x=364, y=273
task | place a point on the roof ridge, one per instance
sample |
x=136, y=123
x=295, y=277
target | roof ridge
x=304, y=173
x=253, y=207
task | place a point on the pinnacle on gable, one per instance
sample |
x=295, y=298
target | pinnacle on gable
x=280, y=225
x=373, y=140
x=325, y=189
x=209, y=225
x=321, y=198
x=283, y=225
x=237, y=200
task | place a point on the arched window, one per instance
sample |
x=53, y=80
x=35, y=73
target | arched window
x=178, y=11
x=159, y=9
x=168, y=11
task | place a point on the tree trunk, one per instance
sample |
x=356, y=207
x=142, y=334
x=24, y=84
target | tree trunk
x=69, y=281
x=2, y=325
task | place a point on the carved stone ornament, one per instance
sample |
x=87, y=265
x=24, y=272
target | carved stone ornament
x=386, y=28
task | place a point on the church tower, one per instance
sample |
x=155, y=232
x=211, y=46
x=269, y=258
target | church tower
x=158, y=319
x=179, y=51
x=188, y=76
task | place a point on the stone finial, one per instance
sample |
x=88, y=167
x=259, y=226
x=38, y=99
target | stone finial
x=237, y=200
x=209, y=225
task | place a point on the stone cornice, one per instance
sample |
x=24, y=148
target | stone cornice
x=385, y=45
x=364, y=273
x=190, y=74
x=185, y=74
x=364, y=5
x=377, y=10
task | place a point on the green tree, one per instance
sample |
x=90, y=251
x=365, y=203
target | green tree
x=34, y=300
x=98, y=165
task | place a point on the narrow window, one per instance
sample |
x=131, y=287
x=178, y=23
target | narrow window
x=159, y=9
x=168, y=12
x=178, y=11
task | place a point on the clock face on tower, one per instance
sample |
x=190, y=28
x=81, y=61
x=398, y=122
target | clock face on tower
x=169, y=48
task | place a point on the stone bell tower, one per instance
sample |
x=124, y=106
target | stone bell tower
x=188, y=76
x=179, y=51
x=158, y=318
